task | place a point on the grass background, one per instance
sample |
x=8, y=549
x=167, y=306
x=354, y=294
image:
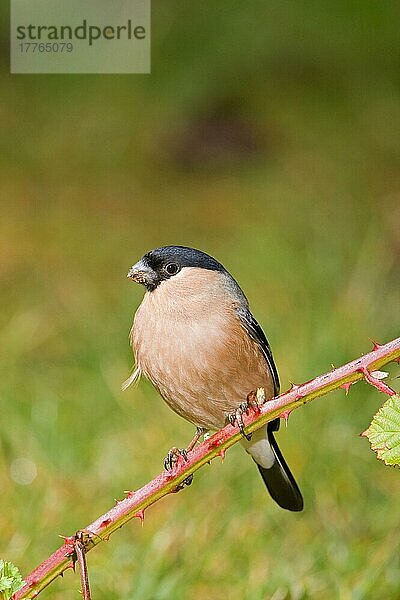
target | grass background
x=267, y=135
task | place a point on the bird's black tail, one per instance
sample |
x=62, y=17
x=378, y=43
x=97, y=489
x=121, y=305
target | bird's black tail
x=278, y=478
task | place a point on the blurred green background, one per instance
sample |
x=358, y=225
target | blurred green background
x=267, y=135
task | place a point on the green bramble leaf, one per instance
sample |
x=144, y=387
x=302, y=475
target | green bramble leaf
x=384, y=432
x=10, y=580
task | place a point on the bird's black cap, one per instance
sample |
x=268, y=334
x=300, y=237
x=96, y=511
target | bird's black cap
x=182, y=256
x=165, y=262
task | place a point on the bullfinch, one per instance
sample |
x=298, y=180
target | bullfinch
x=195, y=339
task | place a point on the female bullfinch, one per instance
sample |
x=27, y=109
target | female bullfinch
x=196, y=340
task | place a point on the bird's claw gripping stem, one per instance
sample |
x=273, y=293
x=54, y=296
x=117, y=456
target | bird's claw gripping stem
x=171, y=460
x=236, y=418
x=173, y=456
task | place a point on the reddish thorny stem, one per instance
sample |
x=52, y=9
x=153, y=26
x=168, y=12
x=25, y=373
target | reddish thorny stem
x=80, y=553
x=135, y=502
x=380, y=385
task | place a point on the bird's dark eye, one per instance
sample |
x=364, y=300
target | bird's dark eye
x=172, y=268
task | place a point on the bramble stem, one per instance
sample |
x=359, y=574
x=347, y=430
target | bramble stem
x=134, y=504
x=80, y=552
x=380, y=385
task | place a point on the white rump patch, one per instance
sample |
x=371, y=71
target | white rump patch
x=259, y=448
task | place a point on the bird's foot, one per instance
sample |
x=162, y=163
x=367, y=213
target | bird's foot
x=236, y=418
x=253, y=401
x=185, y=482
x=173, y=456
x=172, y=459
x=199, y=432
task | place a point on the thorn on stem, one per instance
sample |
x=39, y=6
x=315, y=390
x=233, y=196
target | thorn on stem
x=375, y=344
x=69, y=539
x=285, y=415
x=221, y=453
x=293, y=386
x=140, y=515
x=347, y=386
